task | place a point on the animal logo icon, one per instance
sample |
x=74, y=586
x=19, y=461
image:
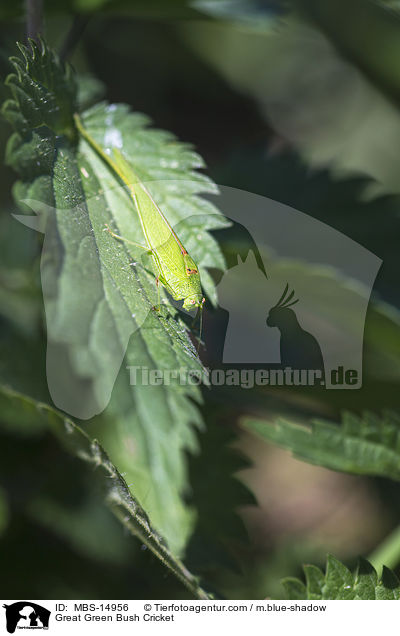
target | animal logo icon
x=25, y=614
x=299, y=349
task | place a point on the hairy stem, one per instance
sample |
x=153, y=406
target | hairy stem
x=34, y=19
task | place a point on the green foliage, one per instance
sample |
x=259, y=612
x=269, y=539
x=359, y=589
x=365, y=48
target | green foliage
x=97, y=291
x=367, y=445
x=338, y=583
x=365, y=20
x=99, y=295
x=44, y=92
x=248, y=12
x=213, y=479
x=41, y=113
x=27, y=415
x=138, y=8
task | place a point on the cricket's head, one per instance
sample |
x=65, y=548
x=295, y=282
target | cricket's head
x=195, y=300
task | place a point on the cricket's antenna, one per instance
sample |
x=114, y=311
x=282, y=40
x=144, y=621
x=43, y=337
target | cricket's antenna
x=200, y=326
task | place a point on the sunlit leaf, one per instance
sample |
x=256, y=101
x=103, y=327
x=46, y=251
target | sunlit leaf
x=100, y=294
x=367, y=445
x=338, y=583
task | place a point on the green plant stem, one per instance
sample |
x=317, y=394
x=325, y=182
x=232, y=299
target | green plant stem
x=34, y=19
x=162, y=552
x=388, y=552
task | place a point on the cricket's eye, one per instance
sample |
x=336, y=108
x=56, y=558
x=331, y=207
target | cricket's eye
x=192, y=302
x=191, y=270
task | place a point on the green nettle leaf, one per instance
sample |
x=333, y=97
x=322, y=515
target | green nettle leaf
x=367, y=445
x=294, y=588
x=314, y=581
x=44, y=93
x=100, y=293
x=338, y=583
x=117, y=495
x=213, y=479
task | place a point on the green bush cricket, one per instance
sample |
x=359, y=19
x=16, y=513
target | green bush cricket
x=175, y=269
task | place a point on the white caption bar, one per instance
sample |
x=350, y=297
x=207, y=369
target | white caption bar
x=171, y=617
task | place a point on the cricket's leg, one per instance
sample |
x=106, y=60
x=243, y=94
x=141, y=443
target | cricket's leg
x=200, y=314
x=159, y=279
x=158, y=306
x=121, y=238
x=200, y=327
